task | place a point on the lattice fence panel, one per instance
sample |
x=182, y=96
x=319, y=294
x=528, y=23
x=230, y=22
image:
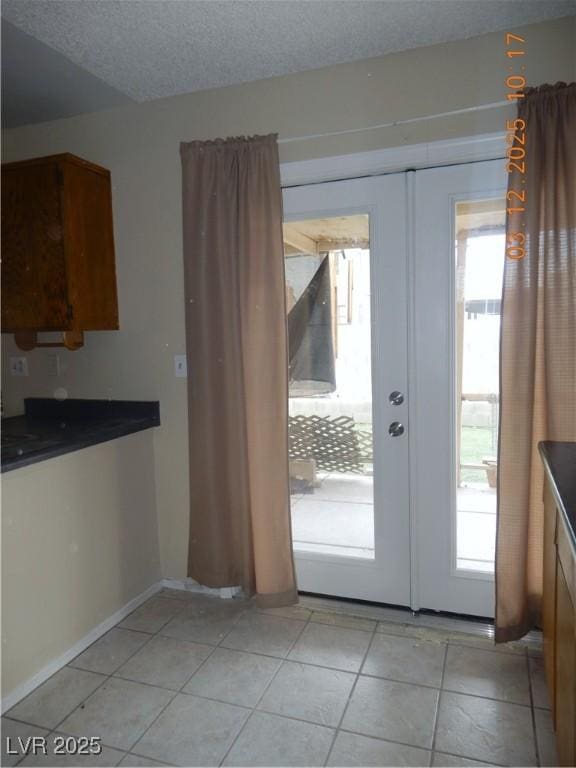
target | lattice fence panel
x=335, y=444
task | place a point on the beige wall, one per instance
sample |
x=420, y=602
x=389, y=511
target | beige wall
x=79, y=541
x=140, y=145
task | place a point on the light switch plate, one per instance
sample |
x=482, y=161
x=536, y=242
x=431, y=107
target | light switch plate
x=18, y=366
x=180, y=366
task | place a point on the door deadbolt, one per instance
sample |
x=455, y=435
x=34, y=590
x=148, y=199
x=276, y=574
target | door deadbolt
x=396, y=429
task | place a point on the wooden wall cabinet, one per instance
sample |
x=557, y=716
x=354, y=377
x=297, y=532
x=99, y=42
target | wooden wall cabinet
x=58, y=265
x=559, y=625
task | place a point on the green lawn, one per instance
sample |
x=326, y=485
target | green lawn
x=476, y=445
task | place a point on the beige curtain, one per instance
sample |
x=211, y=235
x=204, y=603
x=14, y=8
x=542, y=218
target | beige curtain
x=538, y=346
x=236, y=342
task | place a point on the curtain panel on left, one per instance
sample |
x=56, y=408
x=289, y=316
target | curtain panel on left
x=236, y=342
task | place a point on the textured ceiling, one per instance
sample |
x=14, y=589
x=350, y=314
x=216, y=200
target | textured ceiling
x=153, y=48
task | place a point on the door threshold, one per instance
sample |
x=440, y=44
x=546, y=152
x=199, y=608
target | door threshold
x=449, y=622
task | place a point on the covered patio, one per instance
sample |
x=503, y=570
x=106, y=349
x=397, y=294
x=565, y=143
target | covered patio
x=336, y=517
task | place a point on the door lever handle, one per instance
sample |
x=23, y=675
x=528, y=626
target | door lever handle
x=396, y=429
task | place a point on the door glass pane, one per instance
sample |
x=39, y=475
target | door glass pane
x=330, y=393
x=479, y=257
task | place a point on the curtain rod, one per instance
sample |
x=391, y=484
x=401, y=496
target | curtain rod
x=479, y=108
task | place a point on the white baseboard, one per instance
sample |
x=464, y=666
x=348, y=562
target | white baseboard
x=189, y=585
x=52, y=667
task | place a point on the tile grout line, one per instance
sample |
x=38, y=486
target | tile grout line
x=145, y=731
x=437, y=712
x=532, y=713
x=352, y=689
x=254, y=708
x=134, y=754
x=150, y=636
x=403, y=744
x=473, y=759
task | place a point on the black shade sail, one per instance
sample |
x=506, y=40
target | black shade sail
x=310, y=343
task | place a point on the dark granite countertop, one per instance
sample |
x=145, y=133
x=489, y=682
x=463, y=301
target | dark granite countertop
x=560, y=462
x=51, y=428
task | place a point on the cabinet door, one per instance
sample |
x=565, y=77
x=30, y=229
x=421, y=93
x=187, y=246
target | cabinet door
x=549, y=590
x=87, y=207
x=565, y=672
x=34, y=290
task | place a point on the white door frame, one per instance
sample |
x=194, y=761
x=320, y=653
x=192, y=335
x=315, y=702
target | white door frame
x=490, y=146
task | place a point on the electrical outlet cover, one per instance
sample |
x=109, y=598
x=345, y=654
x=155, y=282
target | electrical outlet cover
x=18, y=366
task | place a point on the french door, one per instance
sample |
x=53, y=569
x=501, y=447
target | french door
x=457, y=284
x=393, y=288
x=345, y=247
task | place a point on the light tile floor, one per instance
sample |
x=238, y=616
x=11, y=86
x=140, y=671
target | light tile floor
x=191, y=680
